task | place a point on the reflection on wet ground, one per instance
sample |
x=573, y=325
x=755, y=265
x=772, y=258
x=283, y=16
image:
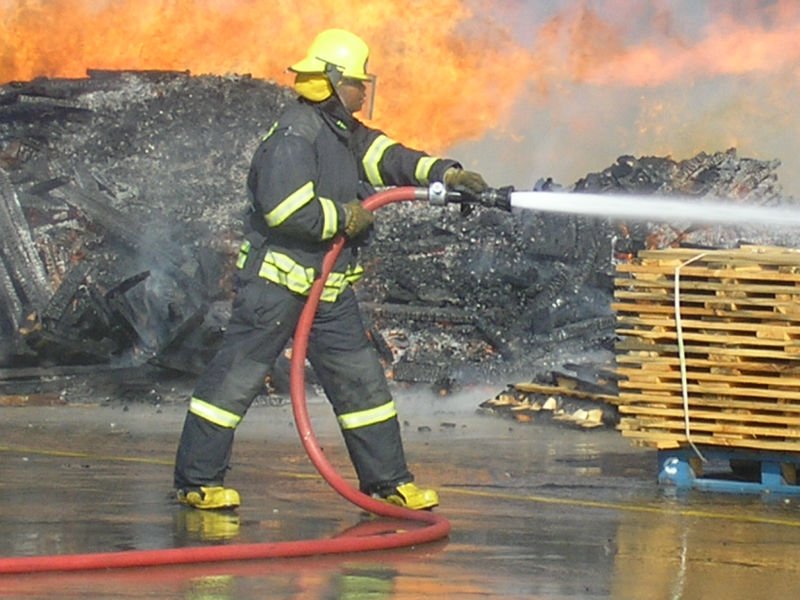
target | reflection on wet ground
x=536, y=511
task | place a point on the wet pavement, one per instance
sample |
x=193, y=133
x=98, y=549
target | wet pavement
x=537, y=511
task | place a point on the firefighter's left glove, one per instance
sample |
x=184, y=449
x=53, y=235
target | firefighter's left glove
x=358, y=219
x=464, y=181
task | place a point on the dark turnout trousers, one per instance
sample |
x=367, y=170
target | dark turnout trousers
x=263, y=320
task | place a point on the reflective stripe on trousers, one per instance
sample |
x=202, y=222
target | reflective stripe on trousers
x=370, y=416
x=212, y=413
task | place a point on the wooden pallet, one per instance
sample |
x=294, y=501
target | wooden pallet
x=736, y=335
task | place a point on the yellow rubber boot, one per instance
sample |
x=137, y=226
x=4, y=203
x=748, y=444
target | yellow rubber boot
x=410, y=496
x=209, y=498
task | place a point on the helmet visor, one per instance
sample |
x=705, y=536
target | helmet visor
x=357, y=95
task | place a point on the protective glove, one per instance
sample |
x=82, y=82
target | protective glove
x=358, y=219
x=466, y=181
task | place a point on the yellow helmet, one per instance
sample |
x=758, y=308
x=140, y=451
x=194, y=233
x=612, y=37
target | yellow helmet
x=338, y=49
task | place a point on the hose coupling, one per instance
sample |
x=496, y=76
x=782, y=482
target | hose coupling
x=436, y=194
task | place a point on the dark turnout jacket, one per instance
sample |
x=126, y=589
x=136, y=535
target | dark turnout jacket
x=307, y=167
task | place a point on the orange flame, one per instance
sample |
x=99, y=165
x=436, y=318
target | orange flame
x=454, y=70
x=434, y=87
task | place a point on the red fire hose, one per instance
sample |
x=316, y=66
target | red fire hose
x=435, y=527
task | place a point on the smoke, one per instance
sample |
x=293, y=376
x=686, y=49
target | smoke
x=649, y=78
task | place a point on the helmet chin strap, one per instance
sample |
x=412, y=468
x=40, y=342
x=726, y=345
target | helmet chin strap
x=334, y=75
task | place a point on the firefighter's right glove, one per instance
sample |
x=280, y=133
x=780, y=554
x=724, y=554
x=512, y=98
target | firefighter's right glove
x=358, y=219
x=464, y=181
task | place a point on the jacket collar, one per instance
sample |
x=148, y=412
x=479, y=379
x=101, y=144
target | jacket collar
x=335, y=115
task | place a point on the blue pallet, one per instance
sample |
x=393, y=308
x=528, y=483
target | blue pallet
x=769, y=472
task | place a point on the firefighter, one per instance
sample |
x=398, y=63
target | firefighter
x=305, y=179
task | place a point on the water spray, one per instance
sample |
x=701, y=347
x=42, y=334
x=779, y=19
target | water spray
x=655, y=208
x=624, y=206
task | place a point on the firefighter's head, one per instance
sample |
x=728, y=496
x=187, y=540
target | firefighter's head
x=336, y=63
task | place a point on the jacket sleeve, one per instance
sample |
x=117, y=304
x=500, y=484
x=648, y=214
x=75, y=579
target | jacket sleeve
x=281, y=184
x=384, y=161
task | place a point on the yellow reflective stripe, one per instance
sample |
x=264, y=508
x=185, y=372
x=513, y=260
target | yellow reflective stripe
x=353, y=275
x=330, y=224
x=291, y=204
x=330, y=295
x=287, y=272
x=338, y=282
x=371, y=416
x=284, y=270
x=271, y=273
x=244, y=250
x=270, y=132
x=335, y=280
x=212, y=413
x=373, y=157
x=423, y=170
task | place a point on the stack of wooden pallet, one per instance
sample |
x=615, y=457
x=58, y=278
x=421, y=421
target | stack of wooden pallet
x=709, y=347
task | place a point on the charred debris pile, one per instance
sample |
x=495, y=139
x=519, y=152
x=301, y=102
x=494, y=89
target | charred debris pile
x=120, y=202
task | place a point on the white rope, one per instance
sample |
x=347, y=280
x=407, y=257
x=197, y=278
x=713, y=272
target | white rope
x=682, y=355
